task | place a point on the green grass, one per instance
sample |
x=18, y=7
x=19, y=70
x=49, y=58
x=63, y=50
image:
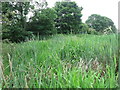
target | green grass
x=63, y=61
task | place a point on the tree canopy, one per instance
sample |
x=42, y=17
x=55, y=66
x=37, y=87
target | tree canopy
x=68, y=17
x=43, y=22
x=64, y=17
x=101, y=23
x=14, y=20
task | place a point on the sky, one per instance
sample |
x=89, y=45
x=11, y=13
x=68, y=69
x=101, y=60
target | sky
x=108, y=8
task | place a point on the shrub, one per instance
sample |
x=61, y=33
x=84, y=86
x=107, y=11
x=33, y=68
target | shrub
x=92, y=31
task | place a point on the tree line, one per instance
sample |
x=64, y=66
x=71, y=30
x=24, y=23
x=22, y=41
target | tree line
x=63, y=18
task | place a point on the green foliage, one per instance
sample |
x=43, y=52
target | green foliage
x=38, y=64
x=84, y=28
x=17, y=34
x=101, y=24
x=92, y=31
x=43, y=22
x=68, y=17
x=14, y=20
x=63, y=61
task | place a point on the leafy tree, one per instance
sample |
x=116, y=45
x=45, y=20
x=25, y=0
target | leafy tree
x=14, y=20
x=22, y=8
x=43, y=22
x=101, y=23
x=7, y=15
x=68, y=17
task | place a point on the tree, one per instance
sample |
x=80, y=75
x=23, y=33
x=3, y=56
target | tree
x=68, y=17
x=101, y=23
x=42, y=22
x=14, y=20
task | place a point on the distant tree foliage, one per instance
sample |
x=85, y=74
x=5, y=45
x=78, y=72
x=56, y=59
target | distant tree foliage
x=64, y=17
x=42, y=22
x=68, y=17
x=101, y=24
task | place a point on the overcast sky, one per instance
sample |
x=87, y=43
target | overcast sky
x=108, y=8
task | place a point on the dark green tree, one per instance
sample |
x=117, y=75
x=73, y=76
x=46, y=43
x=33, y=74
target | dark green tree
x=101, y=23
x=68, y=17
x=14, y=20
x=42, y=22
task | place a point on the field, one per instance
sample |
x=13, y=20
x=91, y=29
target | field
x=62, y=61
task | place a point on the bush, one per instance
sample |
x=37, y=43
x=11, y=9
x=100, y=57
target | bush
x=84, y=28
x=92, y=31
x=16, y=34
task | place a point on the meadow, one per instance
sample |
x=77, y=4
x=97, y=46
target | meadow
x=62, y=61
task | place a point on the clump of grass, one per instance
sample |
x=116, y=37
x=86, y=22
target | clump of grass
x=63, y=61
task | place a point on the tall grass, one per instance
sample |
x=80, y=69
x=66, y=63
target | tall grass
x=63, y=61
